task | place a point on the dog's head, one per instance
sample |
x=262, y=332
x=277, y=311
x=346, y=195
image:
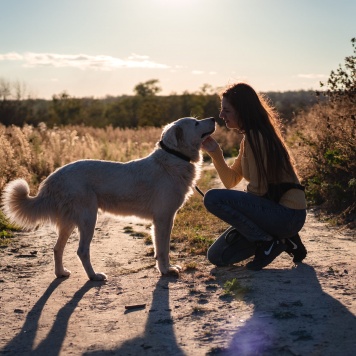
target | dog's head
x=187, y=134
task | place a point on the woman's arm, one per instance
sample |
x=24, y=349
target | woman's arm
x=229, y=175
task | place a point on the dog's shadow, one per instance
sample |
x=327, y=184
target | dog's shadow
x=23, y=342
x=292, y=315
x=159, y=337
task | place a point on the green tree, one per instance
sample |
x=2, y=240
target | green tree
x=66, y=109
x=122, y=112
x=92, y=113
x=341, y=84
x=148, y=88
x=151, y=112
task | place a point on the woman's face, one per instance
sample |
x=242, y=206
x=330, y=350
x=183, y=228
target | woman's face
x=228, y=114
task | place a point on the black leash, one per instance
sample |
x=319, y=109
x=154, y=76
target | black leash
x=174, y=152
x=199, y=191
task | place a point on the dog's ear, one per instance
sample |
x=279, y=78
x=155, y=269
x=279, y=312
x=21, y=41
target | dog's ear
x=173, y=134
x=179, y=134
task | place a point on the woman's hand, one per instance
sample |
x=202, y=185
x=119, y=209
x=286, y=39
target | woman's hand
x=209, y=144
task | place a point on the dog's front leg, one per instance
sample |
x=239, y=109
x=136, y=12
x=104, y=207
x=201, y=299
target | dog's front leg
x=161, y=234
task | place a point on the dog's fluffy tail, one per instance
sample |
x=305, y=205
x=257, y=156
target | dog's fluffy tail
x=19, y=207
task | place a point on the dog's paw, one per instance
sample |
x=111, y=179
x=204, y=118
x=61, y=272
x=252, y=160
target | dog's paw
x=64, y=273
x=168, y=269
x=175, y=269
x=99, y=277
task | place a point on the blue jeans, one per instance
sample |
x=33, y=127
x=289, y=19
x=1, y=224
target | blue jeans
x=254, y=217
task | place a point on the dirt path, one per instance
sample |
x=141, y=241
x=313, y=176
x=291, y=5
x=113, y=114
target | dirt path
x=281, y=310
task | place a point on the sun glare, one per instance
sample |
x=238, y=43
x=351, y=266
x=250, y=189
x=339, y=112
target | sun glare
x=176, y=3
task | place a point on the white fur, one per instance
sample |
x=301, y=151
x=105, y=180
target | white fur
x=153, y=188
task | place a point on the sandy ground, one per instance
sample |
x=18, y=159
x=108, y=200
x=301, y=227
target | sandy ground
x=284, y=309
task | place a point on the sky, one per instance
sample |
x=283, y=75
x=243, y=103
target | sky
x=95, y=48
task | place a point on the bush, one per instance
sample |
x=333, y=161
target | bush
x=324, y=138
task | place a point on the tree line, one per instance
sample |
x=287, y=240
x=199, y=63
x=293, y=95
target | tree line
x=144, y=108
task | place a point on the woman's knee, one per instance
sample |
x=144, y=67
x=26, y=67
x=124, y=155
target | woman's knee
x=211, y=198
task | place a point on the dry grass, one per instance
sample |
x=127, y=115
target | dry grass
x=34, y=153
x=322, y=141
x=194, y=226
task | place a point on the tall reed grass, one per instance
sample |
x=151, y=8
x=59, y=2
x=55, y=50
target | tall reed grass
x=33, y=153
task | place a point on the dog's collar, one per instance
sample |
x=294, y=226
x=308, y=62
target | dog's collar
x=174, y=152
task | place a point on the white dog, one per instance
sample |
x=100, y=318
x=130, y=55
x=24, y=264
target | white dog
x=153, y=188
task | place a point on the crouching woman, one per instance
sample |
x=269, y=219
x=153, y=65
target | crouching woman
x=269, y=215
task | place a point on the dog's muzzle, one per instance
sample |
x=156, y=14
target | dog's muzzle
x=211, y=131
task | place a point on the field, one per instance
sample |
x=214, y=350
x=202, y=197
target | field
x=307, y=309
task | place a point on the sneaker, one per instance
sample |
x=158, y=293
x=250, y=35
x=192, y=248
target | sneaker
x=296, y=248
x=266, y=252
x=232, y=236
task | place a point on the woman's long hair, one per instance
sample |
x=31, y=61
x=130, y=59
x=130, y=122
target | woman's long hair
x=257, y=119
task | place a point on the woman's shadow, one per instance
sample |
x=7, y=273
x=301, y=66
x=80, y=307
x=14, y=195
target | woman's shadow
x=22, y=343
x=292, y=316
